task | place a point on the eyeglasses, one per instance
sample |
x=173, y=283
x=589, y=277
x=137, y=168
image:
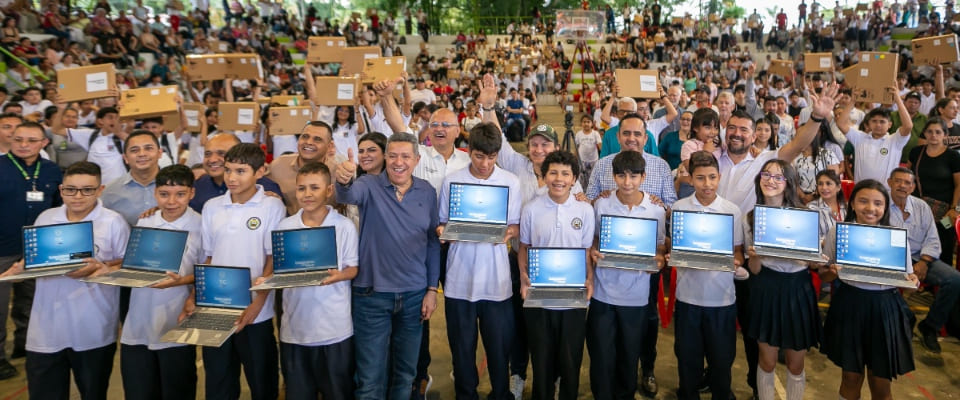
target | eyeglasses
x=445, y=125
x=776, y=178
x=72, y=191
x=21, y=140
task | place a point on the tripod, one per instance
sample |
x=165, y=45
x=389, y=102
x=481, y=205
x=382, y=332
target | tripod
x=585, y=59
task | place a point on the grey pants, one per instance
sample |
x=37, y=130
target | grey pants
x=20, y=312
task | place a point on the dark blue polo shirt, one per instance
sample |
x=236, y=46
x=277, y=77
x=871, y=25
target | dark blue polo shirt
x=15, y=211
x=205, y=189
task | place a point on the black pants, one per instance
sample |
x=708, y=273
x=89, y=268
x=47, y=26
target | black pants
x=704, y=332
x=614, y=337
x=324, y=370
x=648, y=349
x=495, y=322
x=20, y=312
x=519, y=353
x=168, y=374
x=862, y=39
x=49, y=373
x=556, y=340
x=750, y=347
x=255, y=348
x=948, y=245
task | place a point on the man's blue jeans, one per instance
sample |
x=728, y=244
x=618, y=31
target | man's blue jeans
x=386, y=331
x=947, y=280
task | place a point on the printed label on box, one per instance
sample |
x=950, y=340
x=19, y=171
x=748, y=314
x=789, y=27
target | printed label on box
x=245, y=116
x=96, y=82
x=345, y=91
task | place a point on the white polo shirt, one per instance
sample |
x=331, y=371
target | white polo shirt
x=153, y=312
x=238, y=235
x=320, y=315
x=170, y=155
x=544, y=223
x=102, y=152
x=521, y=166
x=433, y=167
x=875, y=158
x=68, y=313
x=621, y=287
x=773, y=263
x=736, y=180
x=479, y=271
x=708, y=288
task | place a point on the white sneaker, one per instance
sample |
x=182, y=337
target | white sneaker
x=516, y=386
x=429, y=383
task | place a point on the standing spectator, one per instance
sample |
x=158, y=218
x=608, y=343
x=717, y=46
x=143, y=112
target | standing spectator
x=938, y=182
x=781, y=20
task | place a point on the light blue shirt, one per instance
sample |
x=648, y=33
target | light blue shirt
x=129, y=198
x=921, y=228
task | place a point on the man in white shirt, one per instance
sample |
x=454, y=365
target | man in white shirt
x=104, y=144
x=421, y=93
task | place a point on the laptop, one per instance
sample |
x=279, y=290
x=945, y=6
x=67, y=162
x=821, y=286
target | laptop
x=54, y=250
x=702, y=240
x=787, y=233
x=301, y=257
x=873, y=254
x=558, y=278
x=221, y=294
x=628, y=243
x=477, y=213
x=151, y=253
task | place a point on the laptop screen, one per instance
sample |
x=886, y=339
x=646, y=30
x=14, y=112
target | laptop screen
x=299, y=250
x=786, y=228
x=557, y=267
x=52, y=245
x=155, y=249
x=478, y=203
x=626, y=235
x=227, y=287
x=702, y=232
x=872, y=246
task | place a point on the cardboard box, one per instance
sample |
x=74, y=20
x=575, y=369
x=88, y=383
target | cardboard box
x=714, y=17
x=930, y=49
x=289, y=120
x=337, y=91
x=453, y=74
x=874, y=72
x=378, y=69
x=194, y=113
x=289, y=101
x=238, y=116
x=818, y=62
x=84, y=83
x=731, y=21
x=862, y=7
x=511, y=68
x=214, y=67
x=782, y=68
x=218, y=46
x=324, y=49
x=244, y=66
x=148, y=102
x=640, y=83
x=848, y=12
x=850, y=76
x=171, y=122
x=676, y=20
x=354, y=58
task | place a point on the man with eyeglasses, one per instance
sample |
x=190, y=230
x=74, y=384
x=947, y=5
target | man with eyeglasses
x=313, y=144
x=211, y=185
x=30, y=187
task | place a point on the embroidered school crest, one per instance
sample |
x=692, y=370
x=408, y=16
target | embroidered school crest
x=253, y=223
x=577, y=223
x=883, y=151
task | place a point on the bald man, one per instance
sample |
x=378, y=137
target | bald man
x=211, y=184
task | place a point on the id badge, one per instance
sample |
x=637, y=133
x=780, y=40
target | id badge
x=34, y=196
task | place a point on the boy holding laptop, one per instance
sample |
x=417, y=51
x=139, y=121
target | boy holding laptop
x=76, y=332
x=148, y=366
x=556, y=219
x=706, y=313
x=617, y=319
x=477, y=289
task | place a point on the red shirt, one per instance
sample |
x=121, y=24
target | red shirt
x=782, y=21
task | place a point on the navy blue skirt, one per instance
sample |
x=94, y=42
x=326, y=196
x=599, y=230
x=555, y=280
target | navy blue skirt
x=869, y=328
x=783, y=308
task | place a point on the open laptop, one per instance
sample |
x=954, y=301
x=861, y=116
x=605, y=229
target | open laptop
x=54, y=250
x=301, y=257
x=787, y=233
x=477, y=213
x=150, y=254
x=873, y=254
x=221, y=294
x=628, y=243
x=558, y=277
x=702, y=240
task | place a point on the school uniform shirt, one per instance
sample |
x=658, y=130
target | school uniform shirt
x=433, y=167
x=521, y=166
x=102, y=152
x=284, y=144
x=68, y=313
x=544, y=223
x=621, y=287
x=345, y=137
x=170, y=147
x=830, y=250
x=875, y=158
x=774, y=263
x=153, y=312
x=736, y=180
x=238, y=235
x=320, y=315
x=479, y=271
x=708, y=288
x=244, y=136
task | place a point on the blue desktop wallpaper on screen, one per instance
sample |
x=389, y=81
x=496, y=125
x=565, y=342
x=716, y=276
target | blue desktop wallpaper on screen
x=633, y=236
x=305, y=249
x=474, y=203
x=222, y=287
x=789, y=229
x=557, y=267
x=155, y=249
x=703, y=232
x=48, y=245
x=871, y=246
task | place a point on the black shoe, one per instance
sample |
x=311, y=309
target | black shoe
x=648, y=384
x=704, y=385
x=7, y=370
x=929, y=338
x=756, y=394
x=18, y=353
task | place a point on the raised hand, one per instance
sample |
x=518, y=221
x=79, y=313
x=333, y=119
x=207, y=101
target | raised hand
x=824, y=102
x=347, y=169
x=488, y=92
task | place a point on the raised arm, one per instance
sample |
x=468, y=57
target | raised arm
x=906, y=123
x=56, y=124
x=228, y=90
x=391, y=113
x=938, y=81
x=821, y=108
x=310, y=85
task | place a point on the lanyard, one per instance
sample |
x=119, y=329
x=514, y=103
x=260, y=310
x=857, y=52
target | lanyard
x=36, y=171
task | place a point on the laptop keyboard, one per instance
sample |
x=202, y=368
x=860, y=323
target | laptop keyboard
x=620, y=258
x=692, y=258
x=210, y=321
x=292, y=279
x=135, y=275
x=873, y=273
x=492, y=230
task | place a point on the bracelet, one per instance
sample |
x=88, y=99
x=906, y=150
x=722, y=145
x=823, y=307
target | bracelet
x=817, y=120
x=430, y=289
x=488, y=109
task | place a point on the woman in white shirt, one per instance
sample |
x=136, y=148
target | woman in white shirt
x=346, y=130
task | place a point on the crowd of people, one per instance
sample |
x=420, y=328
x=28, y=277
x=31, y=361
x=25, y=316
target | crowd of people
x=723, y=134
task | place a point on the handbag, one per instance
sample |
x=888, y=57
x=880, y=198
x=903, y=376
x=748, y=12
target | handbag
x=940, y=208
